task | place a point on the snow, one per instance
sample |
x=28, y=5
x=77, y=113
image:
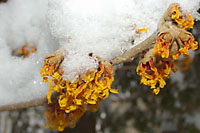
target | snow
x=75, y=66
x=22, y=22
x=105, y=28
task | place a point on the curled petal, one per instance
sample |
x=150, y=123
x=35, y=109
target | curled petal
x=153, y=73
x=84, y=94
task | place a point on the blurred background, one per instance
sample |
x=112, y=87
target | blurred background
x=176, y=109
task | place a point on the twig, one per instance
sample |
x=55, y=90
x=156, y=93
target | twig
x=129, y=55
x=27, y=104
x=35, y=102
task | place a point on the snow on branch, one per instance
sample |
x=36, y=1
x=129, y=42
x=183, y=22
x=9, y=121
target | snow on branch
x=126, y=57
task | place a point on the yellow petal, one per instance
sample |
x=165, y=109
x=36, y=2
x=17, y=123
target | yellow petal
x=45, y=79
x=91, y=101
x=156, y=91
x=115, y=91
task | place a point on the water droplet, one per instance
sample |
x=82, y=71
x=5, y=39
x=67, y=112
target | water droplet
x=103, y=115
x=34, y=82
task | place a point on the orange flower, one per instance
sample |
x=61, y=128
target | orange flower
x=82, y=95
x=187, y=44
x=176, y=12
x=183, y=20
x=162, y=46
x=153, y=71
x=25, y=50
x=58, y=119
x=168, y=46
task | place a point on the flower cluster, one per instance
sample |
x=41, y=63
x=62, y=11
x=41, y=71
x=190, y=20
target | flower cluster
x=75, y=98
x=58, y=119
x=25, y=50
x=169, y=46
x=153, y=70
x=183, y=20
x=173, y=40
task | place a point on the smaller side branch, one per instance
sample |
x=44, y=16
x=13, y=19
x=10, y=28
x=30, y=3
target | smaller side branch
x=27, y=104
x=35, y=102
x=129, y=55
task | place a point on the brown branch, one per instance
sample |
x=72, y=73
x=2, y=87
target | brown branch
x=35, y=102
x=164, y=24
x=129, y=55
x=27, y=104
